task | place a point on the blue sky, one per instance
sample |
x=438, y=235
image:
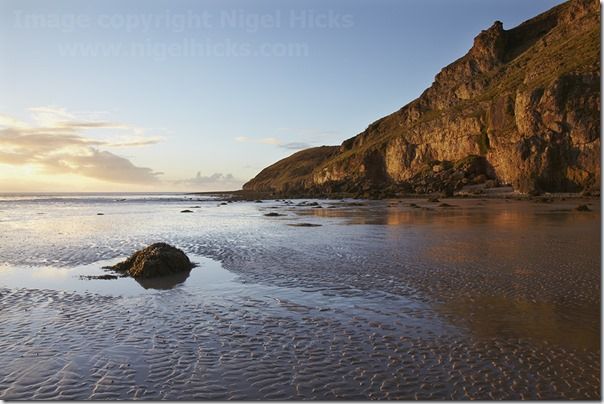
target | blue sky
x=201, y=95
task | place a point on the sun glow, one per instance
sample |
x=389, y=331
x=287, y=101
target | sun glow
x=29, y=177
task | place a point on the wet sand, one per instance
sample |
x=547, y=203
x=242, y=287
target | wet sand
x=484, y=299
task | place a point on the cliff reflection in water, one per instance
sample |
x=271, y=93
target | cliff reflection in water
x=496, y=268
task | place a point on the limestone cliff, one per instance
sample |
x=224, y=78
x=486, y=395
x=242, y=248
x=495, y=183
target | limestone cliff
x=522, y=107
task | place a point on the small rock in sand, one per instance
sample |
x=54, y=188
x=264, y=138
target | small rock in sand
x=103, y=277
x=582, y=208
x=186, y=211
x=159, y=259
x=304, y=225
x=273, y=214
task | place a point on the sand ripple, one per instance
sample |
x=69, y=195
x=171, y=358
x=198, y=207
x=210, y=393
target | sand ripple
x=486, y=301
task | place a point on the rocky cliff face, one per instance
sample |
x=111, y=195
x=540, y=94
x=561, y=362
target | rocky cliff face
x=522, y=107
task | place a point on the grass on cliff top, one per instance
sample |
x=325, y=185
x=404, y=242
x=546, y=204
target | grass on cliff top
x=577, y=53
x=293, y=168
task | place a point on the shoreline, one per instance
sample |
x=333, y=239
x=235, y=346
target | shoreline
x=491, y=193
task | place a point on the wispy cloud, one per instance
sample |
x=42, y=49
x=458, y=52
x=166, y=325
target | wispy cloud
x=56, y=144
x=275, y=142
x=213, y=182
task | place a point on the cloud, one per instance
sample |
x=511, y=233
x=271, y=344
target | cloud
x=295, y=146
x=214, y=182
x=101, y=165
x=56, y=144
x=270, y=140
x=274, y=141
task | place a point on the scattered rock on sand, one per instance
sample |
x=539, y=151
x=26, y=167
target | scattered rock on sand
x=582, y=208
x=159, y=259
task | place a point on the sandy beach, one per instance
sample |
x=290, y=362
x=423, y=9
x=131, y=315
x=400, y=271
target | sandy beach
x=400, y=299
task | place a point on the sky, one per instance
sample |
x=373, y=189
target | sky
x=182, y=95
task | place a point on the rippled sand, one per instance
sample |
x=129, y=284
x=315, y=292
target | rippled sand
x=485, y=299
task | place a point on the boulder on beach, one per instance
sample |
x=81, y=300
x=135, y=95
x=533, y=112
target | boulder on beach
x=273, y=214
x=159, y=259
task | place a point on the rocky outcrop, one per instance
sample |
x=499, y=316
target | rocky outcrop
x=526, y=101
x=157, y=260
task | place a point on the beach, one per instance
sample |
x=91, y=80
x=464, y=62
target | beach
x=460, y=298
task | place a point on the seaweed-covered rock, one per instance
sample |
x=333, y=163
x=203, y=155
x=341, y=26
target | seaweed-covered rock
x=159, y=259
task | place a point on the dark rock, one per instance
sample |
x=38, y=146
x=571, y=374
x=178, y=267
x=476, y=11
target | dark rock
x=490, y=184
x=102, y=277
x=100, y=214
x=274, y=214
x=445, y=205
x=159, y=259
x=434, y=200
x=186, y=211
x=582, y=208
x=479, y=179
x=304, y=225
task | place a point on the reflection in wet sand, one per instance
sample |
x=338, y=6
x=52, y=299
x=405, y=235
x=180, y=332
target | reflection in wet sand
x=490, y=299
x=542, y=322
x=164, y=282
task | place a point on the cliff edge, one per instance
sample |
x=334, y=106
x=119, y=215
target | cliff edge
x=522, y=107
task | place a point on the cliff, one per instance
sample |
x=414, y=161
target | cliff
x=522, y=107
